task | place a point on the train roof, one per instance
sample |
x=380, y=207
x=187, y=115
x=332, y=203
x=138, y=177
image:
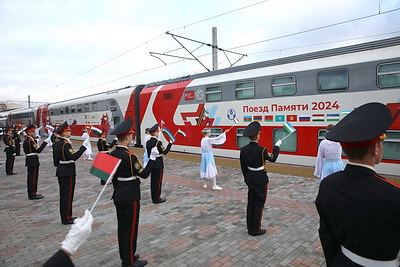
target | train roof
x=377, y=44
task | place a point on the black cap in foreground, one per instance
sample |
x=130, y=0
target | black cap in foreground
x=252, y=129
x=124, y=128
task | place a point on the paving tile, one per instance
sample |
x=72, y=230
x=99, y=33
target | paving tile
x=194, y=227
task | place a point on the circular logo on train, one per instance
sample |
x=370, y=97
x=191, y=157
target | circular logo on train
x=199, y=94
x=3, y=106
x=231, y=114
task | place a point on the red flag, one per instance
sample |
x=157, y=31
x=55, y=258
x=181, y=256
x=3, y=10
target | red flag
x=104, y=166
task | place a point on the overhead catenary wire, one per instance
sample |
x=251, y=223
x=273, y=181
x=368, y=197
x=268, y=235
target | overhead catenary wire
x=241, y=46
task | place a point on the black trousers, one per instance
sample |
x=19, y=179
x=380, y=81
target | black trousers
x=156, y=183
x=17, y=149
x=32, y=181
x=67, y=188
x=10, y=158
x=128, y=225
x=256, y=198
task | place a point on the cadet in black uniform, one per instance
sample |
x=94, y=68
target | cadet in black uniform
x=252, y=160
x=32, y=150
x=54, y=139
x=17, y=141
x=10, y=151
x=65, y=160
x=158, y=171
x=360, y=210
x=103, y=146
x=127, y=193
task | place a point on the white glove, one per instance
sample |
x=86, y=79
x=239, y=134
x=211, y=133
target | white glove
x=80, y=230
x=47, y=140
x=86, y=142
x=171, y=141
x=278, y=143
x=116, y=139
x=154, y=153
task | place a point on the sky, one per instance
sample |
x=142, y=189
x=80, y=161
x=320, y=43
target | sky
x=54, y=50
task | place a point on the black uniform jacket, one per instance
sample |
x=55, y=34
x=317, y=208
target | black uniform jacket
x=129, y=167
x=251, y=155
x=102, y=144
x=60, y=259
x=63, y=151
x=359, y=210
x=30, y=146
x=9, y=142
x=152, y=142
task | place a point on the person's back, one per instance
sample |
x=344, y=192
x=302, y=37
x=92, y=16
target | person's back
x=365, y=210
x=360, y=210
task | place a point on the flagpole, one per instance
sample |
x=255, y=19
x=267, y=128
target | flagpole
x=104, y=187
x=101, y=192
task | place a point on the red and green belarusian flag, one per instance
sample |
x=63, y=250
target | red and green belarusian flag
x=104, y=166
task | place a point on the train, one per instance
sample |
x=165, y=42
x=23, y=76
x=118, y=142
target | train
x=309, y=91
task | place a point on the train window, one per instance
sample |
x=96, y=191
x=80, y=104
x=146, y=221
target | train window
x=116, y=121
x=79, y=107
x=333, y=80
x=290, y=144
x=86, y=107
x=392, y=145
x=245, y=90
x=389, y=75
x=66, y=110
x=61, y=110
x=73, y=109
x=241, y=141
x=51, y=112
x=113, y=103
x=94, y=106
x=215, y=132
x=284, y=86
x=213, y=93
x=321, y=135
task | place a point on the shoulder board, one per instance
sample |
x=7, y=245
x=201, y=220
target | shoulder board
x=387, y=181
x=130, y=153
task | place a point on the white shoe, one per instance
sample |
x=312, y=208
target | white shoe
x=204, y=186
x=217, y=188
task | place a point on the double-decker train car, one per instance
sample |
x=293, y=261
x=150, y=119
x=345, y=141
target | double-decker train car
x=102, y=110
x=310, y=91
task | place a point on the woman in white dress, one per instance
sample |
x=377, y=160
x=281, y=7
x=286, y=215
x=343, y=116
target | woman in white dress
x=329, y=158
x=208, y=170
x=87, y=154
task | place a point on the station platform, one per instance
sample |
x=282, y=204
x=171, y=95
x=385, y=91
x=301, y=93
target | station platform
x=194, y=227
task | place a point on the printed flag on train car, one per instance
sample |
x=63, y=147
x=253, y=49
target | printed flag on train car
x=236, y=120
x=104, y=166
x=168, y=132
x=289, y=127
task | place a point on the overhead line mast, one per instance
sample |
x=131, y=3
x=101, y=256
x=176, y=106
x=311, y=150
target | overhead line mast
x=214, y=47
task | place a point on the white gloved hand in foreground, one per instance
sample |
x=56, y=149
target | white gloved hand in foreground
x=80, y=230
x=278, y=143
